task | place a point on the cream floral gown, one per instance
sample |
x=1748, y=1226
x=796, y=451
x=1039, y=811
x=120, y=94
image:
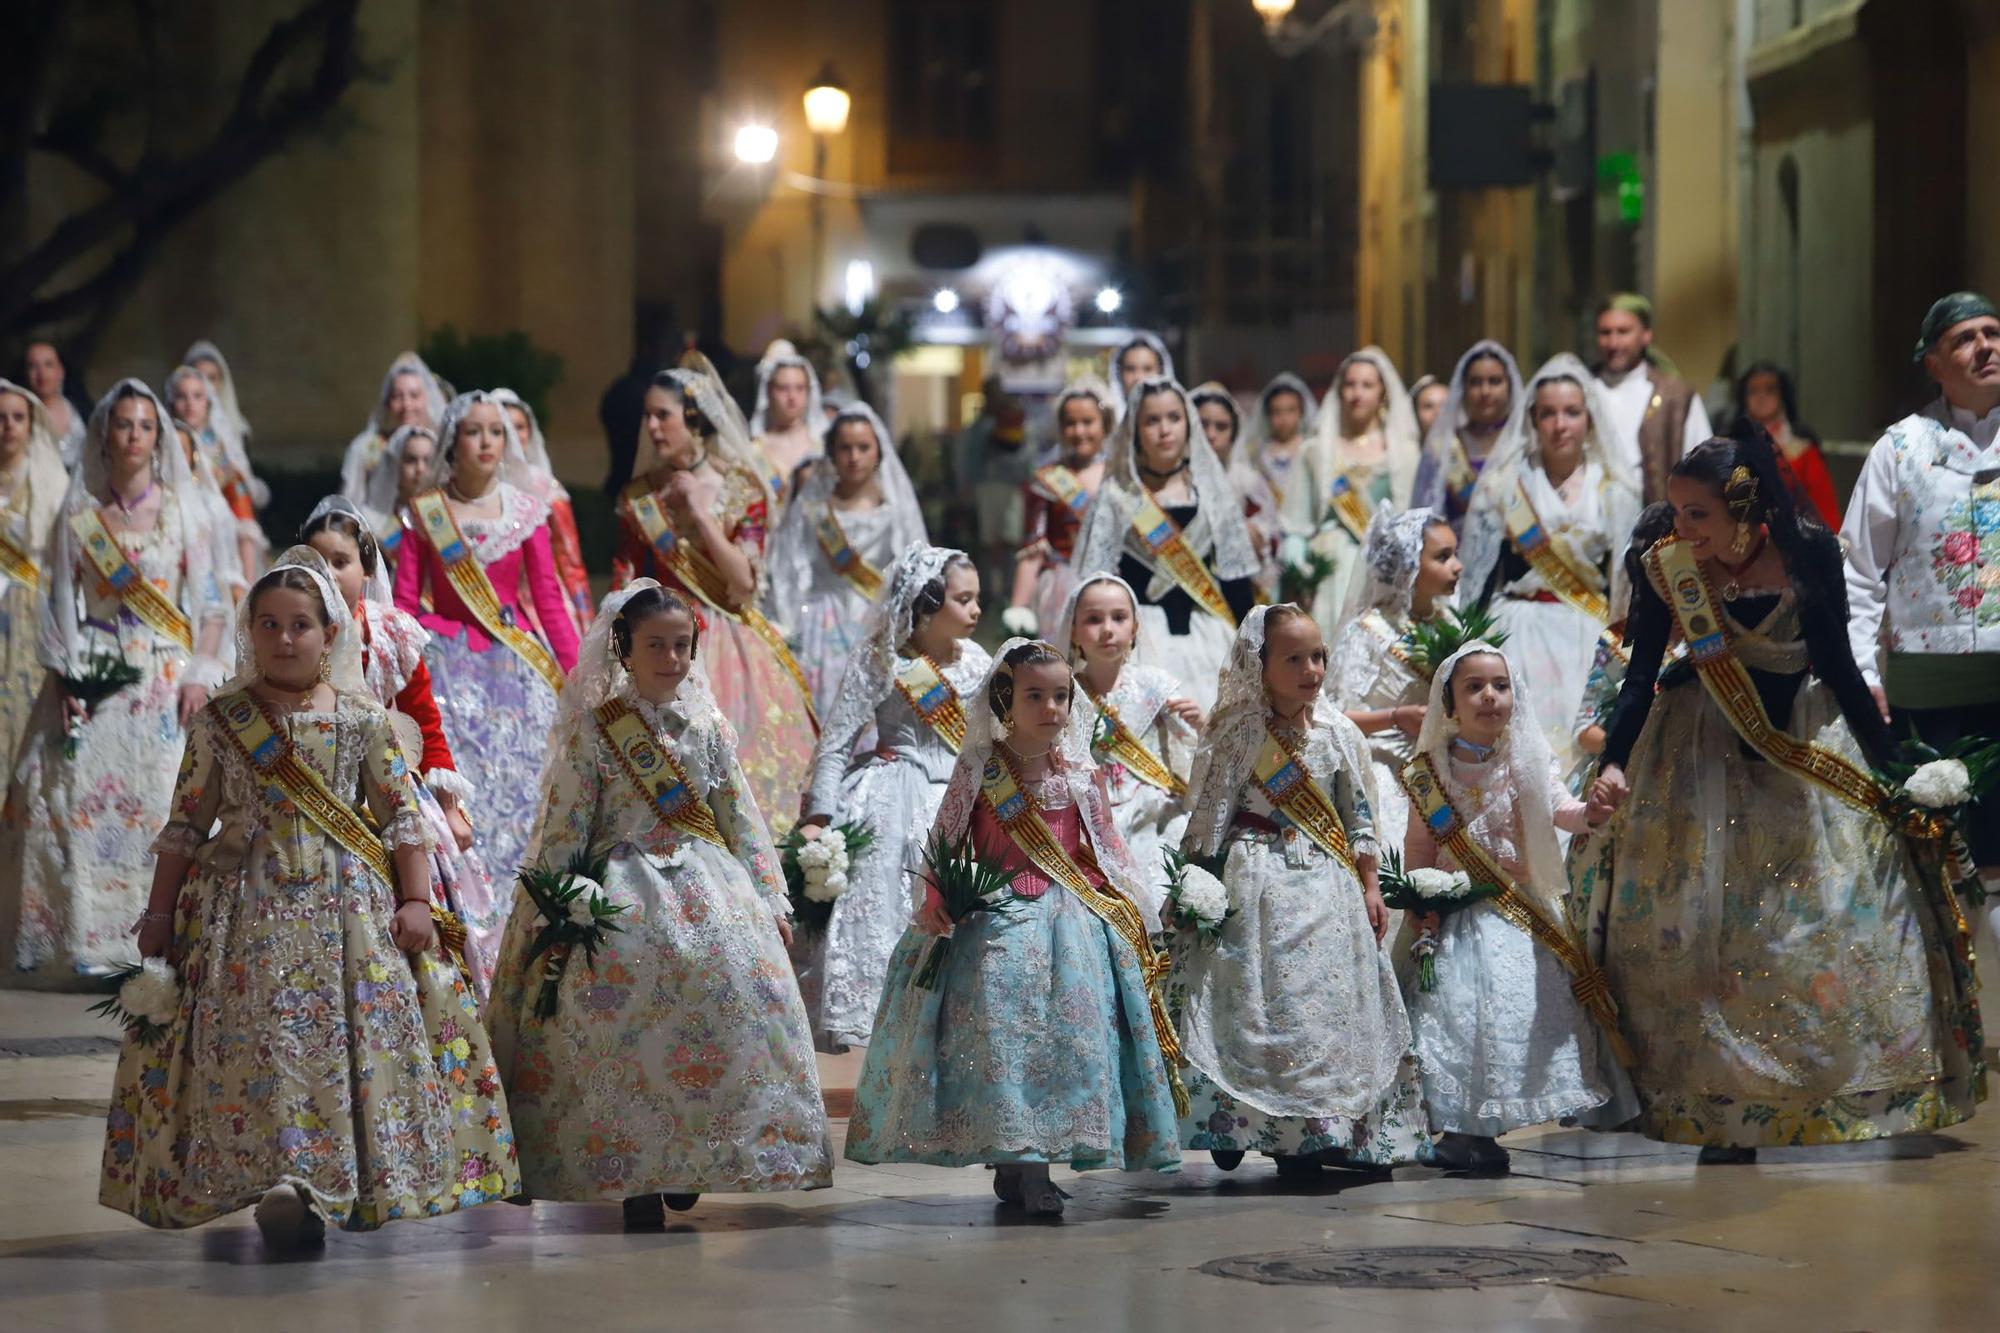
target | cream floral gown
x=681, y=1062
x=308, y=1049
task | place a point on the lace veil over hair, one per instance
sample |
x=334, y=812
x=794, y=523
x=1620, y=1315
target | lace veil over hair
x=871, y=671
x=385, y=484
x=65, y=645
x=776, y=357
x=515, y=469
x=343, y=656
x=228, y=432
x=1451, y=419
x=1095, y=390
x=1139, y=338
x=1218, y=528
x=1258, y=433
x=204, y=350
x=43, y=470
x=1391, y=554
x=1397, y=417
x=377, y=589
x=794, y=545
x=354, y=469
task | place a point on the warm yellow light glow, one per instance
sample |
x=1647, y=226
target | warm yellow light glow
x=756, y=144
x=826, y=108
x=1273, y=12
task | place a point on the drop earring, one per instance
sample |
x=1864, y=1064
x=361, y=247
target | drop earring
x=326, y=666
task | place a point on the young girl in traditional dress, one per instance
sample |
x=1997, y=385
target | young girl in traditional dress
x=564, y=543
x=1296, y=1038
x=851, y=519
x=1143, y=737
x=32, y=485
x=1276, y=441
x=392, y=664
x=481, y=541
x=206, y=357
x=411, y=396
x=132, y=581
x=1366, y=455
x=1485, y=385
x=1143, y=356
x=1222, y=425
x=1789, y=964
x=195, y=403
x=787, y=423
x=1039, y=1042
x=322, y=1061
x=1502, y=1039
x=1057, y=497
x=1168, y=522
x=678, y=1061
x=1544, y=535
x=405, y=473
x=697, y=522
x=1413, y=571
x=909, y=680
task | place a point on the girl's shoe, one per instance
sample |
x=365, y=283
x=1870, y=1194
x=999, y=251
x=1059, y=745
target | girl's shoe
x=1040, y=1195
x=680, y=1203
x=1228, y=1159
x=1713, y=1154
x=1007, y=1182
x=1295, y=1169
x=1489, y=1158
x=645, y=1212
x=285, y=1217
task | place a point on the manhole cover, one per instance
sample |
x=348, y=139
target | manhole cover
x=1415, y=1266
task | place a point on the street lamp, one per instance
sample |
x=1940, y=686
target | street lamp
x=1273, y=12
x=1352, y=21
x=756, y=144
x=827, y=105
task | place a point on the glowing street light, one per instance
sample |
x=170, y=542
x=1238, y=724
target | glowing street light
x=945, y=301
x=827, y=102
x=756, y=144
x=1108, y=300
x=1273, y=12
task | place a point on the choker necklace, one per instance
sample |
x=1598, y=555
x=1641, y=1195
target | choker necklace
x=1734, y=588
x=1162, y=476
x=1479, y=753
x=700, y=458
x=451, y=489
x=129, y=505
x=1029, y=758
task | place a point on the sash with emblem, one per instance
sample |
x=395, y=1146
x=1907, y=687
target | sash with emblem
x=1579, y=585
x=1460, y=477
x=1348, y=507
x=847, y=562
x=134, y=589
x=389, y=535
x=1587, y=981
x=774, y=480
x=1164, y=542
x=655, y=774
x=16, y=564
x=1123, y=744
x=469, y=581
x=698, y=574
x=1021, y=819
x=1289, y=786
x=1062, y=483
x=933, y=698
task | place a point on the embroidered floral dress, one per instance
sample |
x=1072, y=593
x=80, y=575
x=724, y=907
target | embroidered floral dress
x=1036, y=1044
x=681, y=1062
x=757, y=693
x=495, y=707
x=27, y=516
x=1370, y=669
x=84, y=825
x=894, y=790
x=1293, y=1024
x=308, y=1050
x=1149, y=819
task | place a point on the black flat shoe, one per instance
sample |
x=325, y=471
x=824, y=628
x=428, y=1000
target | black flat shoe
x=1717, y=1155
x=645, y=1212
x=680, y=1203
x=1295, y=1168
x=1228, y=1159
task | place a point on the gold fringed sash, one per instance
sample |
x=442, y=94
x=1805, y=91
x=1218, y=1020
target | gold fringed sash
x=1288, y=784
x=1021, y=819
x=1125, y=746
x=1551, y=557
x=134, y=589
x=1346, y=505
x=698, y=574
x=1163, y=540
x=847, y=562
x=475, y=589
x=1063, y=484
x=18, y=565
x=1460, y=477
x=660, y=780
x=933, y=698
x=1587, y=981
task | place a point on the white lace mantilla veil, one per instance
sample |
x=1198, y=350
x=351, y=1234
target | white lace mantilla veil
x=697, y=380
x=599, y=676
x=204, y=350
x=1258, y=432
x=63, y=644
x=231, y=431
x=1391, y=554
x=385, y=484
x=344, y=657
x=1451, y=418
x=1516, y=453
x=1235, y=734
x=354, y=469
x=378, y=589
x=1398, y=419
x=1065, y=626
x=871, y=671
x=1139, y=338
x=1526, y=751
x=1218, y=527
x=535, y=447
x=794, y=544
x=514, y=467
x=1079, y=772
x=47, y=478
x=777, y=356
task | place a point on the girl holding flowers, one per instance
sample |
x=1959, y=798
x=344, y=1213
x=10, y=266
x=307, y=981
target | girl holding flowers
x=664, y=1054
x=322, y=1061
x=1035, y=1040
x=1503, y=1039
x=1282, y=795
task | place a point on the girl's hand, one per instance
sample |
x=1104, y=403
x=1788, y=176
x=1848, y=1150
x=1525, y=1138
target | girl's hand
x=812, y=826
x=155, y=934
x=74, y=709
x=194, y=698
x=932, y=919
x=886, y=753
x=1188, y=711
x=785, y=931
x=1430, y=923
x=1595, y=813
x=681, y=488
x=1610, y=789
x=1378, y=913
x=1409, y=719
x=411, y=929
x=460, y=826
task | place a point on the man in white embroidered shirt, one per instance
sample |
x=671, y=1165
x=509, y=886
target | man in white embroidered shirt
x=1655, y=415
x=1923, y=553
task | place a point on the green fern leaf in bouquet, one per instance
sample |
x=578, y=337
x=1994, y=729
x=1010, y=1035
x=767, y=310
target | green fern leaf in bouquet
x=1433, y=641
x=965, y=885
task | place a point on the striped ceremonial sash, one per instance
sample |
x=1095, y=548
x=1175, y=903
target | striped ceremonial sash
x=1124, y=745
x=1164, y=541
x=138, y=593
x=475, y=589
x=847, y=562
x=933, y=698
x=1288, y=784
x=654, y=772
x=1566, y=576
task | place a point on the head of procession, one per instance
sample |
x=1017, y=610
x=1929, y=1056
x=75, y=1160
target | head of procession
x=1959, y=346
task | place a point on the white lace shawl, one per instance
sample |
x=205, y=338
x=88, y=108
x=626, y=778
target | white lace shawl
x=515, y=470
x=1391, y=554
x=354, y=469
x=1526, y=750
x=1235, y=734
x=228, y=434
x=385, y=483
x=1608, y=509
x=777, y=356
x=871, y=670
x=794, y=546
x=1219, y=531
x=1430, y=488
x=63, y=644
x=38, y=499
x=204, y=350
x=1258, y=433
x=344, y=656
x=1397, y=421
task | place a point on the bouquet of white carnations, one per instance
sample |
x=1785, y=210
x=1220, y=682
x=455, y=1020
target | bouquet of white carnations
x=1197, y=900
x=1422, y=893
x=817, y=869
x=146, y=1000
x=575, y=913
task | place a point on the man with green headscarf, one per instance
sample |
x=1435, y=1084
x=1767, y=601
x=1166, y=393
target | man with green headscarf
x=1923, y=552
x=1656, y=416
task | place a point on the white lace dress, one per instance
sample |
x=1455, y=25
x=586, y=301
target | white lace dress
x=841, y=971
x=1150, y=820
x=1366, y=674
x=824, y=615
x=1502, y=1040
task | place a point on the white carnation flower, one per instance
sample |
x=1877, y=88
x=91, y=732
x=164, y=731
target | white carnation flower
x=1201, y=895
x=814, y=855
x=834, y=841
x=1432, y=883
x=826, y=888
x=579, y=910
x=153, y=993
x=1940, y=784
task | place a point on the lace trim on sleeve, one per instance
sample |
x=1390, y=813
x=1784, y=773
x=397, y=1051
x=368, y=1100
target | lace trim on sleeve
x=408, y=829
x=179, y=839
